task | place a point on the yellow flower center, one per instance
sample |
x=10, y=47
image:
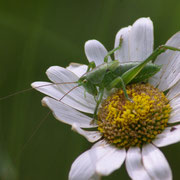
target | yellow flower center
x=124, y=123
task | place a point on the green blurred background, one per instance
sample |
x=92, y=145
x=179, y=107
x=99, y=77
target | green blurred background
x=35, y=35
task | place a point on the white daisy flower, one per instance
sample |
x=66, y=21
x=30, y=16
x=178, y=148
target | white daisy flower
x=126, y=132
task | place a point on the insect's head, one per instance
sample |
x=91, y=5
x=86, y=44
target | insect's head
x=88, y=86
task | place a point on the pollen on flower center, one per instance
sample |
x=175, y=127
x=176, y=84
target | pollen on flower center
x=124, y=123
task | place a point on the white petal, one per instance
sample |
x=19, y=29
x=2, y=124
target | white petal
x=169, y=60
x=47, y=88
x=169, y=136
x=101, y=143
x=95, y=51
x=174, y=91
x=76, y=97
x=110, y=159
x=83, y=168
x=78, y=69
x=123, y=54
x=175, y=113
x=141, y=39
x=101, y=160
x=134, y=165
x=172, y=73
x=154, y=80
x=155, y=163
x=174, y=117
x=55, y=92
x=67, y=114
x=175, y=102
x=91, y=136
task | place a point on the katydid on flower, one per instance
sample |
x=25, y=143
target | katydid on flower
x=113, y=74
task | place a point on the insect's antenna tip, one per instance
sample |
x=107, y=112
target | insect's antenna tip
x=33, y=134
x=34, y=87
x=16, y=93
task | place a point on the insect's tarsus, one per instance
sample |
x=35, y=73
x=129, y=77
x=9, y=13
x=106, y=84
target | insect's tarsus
x=112, y=51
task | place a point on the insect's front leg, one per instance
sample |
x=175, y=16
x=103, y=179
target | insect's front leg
x=91, y=65
x=112, y=51
x=119, y=81
x=98, y=101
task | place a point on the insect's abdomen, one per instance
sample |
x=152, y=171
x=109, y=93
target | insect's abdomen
x=148, y=71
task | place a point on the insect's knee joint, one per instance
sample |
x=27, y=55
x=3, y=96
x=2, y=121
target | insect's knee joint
x=162, y=47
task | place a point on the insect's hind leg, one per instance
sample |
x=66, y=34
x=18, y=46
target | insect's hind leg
x=129, y=75
x=162, y=49
x=112, y=51
x=119, y=81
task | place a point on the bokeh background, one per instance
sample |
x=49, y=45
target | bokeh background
x=36, y=34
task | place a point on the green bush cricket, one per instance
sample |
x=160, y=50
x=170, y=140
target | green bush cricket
x=114, y=74
x=109, y=75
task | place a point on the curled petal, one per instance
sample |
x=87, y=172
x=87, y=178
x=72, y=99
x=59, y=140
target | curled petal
x=78, y=69
x=91, y=136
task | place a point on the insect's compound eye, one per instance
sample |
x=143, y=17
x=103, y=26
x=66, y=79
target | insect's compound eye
x=107, y=70
x=85, y=81
x=127, y=124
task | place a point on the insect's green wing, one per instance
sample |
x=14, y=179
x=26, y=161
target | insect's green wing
x=148, y=71
x=129, y=75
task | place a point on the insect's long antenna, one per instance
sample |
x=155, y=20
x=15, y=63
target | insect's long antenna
x=42, y=121
x=25, y=90
x=69, y=92
x=33, y=134
x=19, y=92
